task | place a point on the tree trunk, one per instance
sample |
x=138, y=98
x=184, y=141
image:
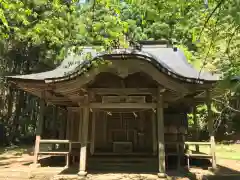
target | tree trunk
x=17, y=116
x=9, y=103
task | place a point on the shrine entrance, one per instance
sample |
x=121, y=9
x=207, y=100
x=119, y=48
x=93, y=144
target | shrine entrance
x=124, y=132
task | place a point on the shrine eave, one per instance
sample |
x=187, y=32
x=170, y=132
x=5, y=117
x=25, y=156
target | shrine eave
x=170, y=61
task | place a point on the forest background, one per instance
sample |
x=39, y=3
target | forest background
x=36, y=35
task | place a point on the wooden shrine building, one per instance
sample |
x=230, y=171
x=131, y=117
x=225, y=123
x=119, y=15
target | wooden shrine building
x=130, y=103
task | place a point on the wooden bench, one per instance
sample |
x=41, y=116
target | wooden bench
x=67, y=154
x=197, y=154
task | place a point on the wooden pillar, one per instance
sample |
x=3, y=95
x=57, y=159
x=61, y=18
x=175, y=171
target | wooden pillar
x=160, y=128
x=72, y=126
x=54, y=122
x=80, y=125
x=39, y=127
x=154, y=132
x=69, y=116
x=54, y=125
x=92, y=148
x=141, y=139
x=211, y=129
x=195, y=125
x=62, y=126
x=84, y=142
x=105, y=128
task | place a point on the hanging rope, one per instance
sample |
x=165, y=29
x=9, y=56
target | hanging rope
x=134, y=112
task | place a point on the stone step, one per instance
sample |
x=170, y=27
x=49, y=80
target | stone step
x=119, y=160
x=122, y=162
x=115, y=167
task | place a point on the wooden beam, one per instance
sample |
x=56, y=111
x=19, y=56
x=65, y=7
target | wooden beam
x=211, y=128
x=76, y=98
x=35, y=92
x=58, y=99
x=60, y=103
x=93, y=129
x=49, y=141
x=84, y=140
x=160, y=127
x=198, y=143
x=33, y=84
x=154, y=132
x=51, y=98
x=48, y=96
x=39, y=127
x=123, y=91
x=119, y=105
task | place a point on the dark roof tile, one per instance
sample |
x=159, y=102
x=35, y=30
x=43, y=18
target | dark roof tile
x=174, y=62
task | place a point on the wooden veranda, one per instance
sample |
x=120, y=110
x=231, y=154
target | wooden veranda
x=133, y=105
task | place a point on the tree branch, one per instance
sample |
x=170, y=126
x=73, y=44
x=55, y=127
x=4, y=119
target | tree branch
x=226, y=105
x=219, y=120
x=211, y=44
x=230, y=40
x=214, y=10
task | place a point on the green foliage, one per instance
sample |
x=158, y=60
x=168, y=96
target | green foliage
x=201, y=116
x=36, y=33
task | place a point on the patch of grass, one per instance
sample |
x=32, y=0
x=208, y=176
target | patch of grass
x=231, y=151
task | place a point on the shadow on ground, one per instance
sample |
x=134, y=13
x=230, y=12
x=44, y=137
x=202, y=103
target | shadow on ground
x=202, y=172
x=223, y=173
x=125, y=166
x=106, y=166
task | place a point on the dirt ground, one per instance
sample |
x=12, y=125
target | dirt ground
x=15, y=166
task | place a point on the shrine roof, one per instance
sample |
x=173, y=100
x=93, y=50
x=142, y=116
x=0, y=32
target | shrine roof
x=168, y=60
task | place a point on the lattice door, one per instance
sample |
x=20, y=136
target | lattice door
x=122, y=127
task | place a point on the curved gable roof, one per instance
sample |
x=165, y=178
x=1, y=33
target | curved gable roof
x=167, y=60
